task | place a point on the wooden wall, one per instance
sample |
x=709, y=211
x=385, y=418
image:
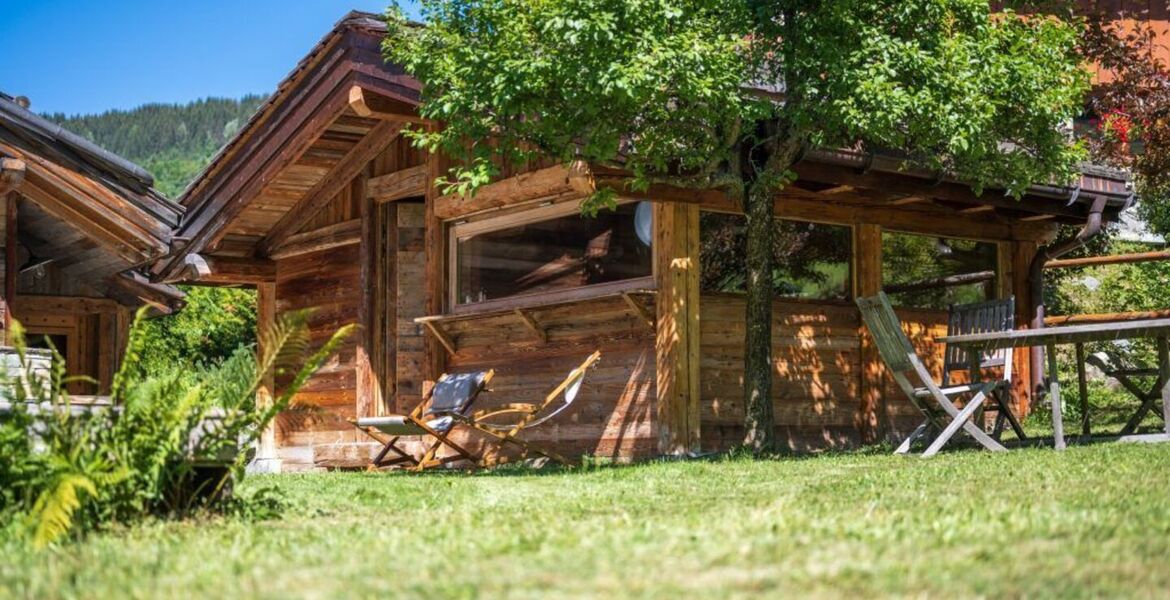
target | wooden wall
x=817, y=350
x=328, y=283
x=614, y=414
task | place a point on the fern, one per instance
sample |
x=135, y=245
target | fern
x=69, y=473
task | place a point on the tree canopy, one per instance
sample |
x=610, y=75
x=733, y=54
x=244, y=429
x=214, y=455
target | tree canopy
x=718, y=93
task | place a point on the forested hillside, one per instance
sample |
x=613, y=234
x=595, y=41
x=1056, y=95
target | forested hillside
x=172, y=141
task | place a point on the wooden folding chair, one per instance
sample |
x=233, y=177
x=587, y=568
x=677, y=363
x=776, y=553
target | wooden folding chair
x=936, y=403
x=523, y=416
x=984, y=317
x=448, y=403
x=1113, y=366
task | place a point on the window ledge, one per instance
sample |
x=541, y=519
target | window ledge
x=642, y=285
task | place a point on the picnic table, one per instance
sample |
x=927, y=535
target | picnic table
x=1077, y=335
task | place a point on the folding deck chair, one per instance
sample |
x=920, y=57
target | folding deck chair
x=1113, y=366
x=449, y=405
x=985, y=317
x=449, y=400
x=936, y=403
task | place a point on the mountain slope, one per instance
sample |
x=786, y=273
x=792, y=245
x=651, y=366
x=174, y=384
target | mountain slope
x=172, y=141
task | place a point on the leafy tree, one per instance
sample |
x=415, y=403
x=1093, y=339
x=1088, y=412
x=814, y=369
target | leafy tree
x=1131, y=108
x=725, y=94
x=210, y=327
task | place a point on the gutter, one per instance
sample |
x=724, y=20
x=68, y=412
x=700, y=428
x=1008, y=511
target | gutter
x=1053, y=251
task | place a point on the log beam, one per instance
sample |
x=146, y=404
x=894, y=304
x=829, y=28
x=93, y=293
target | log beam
x=228, y=270
x=372, y=105
x=324, y=238
x=575, y=180
x=407, y=183
x=11, y=174
x=1117, y=259
x=164, y=298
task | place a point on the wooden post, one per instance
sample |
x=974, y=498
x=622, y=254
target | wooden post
x=1164, y=378
x=9, y=237
x=434, y=276
x=266, y=460
x=1021, y=258
x=370, y=253
x=867, y=281
x=676, y=248
x=1083, y=389
x=1054, y=397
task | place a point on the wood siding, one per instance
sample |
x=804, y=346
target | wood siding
x=817, y=350
x=326, y=282
x=614, y=414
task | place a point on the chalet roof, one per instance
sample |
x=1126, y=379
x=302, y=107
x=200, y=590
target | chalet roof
x=309, y=132
x=36, y=134
x=354, y=21
x=92, y=214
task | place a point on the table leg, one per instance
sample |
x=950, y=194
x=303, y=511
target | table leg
x=1083, y=389
x=1054, y=397
x=1164, y=377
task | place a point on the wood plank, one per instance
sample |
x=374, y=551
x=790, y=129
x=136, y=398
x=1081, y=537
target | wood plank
x=328, y=237
x=527, y=187
x=228, y=270
x=381, y=136
x=410, y=182
x=64, y=305
x=1078, y=319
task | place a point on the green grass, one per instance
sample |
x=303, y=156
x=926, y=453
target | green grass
x=1089, y=522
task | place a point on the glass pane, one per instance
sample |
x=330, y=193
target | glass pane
x=561, y=253
x=811, y=259
x=933, y=272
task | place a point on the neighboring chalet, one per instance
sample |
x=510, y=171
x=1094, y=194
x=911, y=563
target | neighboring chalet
x=319, y=202
x=77, y=224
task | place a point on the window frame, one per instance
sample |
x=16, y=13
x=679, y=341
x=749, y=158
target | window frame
x=545, y=212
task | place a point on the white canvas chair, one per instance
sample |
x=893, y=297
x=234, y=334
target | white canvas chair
x=936, y=403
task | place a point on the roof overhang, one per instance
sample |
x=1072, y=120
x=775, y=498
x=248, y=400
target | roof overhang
x=343, y=84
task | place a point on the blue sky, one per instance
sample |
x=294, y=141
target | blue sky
x=86, y=56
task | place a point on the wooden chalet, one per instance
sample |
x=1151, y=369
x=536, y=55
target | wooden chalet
x=320, y=203
x=77, y=225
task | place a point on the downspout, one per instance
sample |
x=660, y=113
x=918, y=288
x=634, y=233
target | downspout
x=1036, y=278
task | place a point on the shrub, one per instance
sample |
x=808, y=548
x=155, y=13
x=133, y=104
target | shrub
x=169, y=444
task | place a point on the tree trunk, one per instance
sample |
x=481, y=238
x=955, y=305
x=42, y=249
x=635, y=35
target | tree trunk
x=759, y=421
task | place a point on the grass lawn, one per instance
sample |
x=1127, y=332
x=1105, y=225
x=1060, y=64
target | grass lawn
x=1093, y=521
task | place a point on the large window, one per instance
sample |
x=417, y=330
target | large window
x=811, y=260
x=544, y=252
x=934, y=272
